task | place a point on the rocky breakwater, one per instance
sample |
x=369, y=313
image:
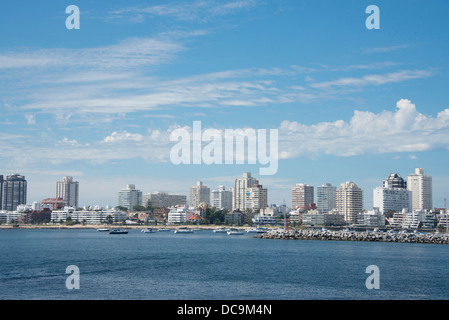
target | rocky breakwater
x=305, y=234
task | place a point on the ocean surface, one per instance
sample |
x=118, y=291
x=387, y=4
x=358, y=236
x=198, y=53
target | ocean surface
x=206, y=265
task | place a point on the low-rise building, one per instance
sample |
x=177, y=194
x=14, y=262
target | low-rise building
x=315, y=218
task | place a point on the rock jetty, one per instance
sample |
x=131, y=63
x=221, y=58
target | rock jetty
x=304, y=234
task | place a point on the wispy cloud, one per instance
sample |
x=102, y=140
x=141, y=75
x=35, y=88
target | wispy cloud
x=129, y=53
x=386, y=49
x=373, y=79
x=199, y=10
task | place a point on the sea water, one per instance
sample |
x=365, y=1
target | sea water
x=207, y=265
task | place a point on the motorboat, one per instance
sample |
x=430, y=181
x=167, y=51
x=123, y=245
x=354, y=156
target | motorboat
x=183, y=230
x=147, y=230
x=163, y=230
x=102, y=229
x=234, y=232
x=256, y=230
x=118, y=231
x=221, y=230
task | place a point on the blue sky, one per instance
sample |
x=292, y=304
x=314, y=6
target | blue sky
x=99, y=103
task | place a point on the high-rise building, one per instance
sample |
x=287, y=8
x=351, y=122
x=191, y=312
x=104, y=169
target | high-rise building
x=68, y=190
x=256, y=198
x=420, y=185
x=302, y=196
x=1, y=192
x=240, y=188
x=164, y=199
x=199, y=194
x=326, y=197
x=389, y=198
x=129, y=197
x=349, y=201
x=395, y=181
x=14, y=192
x=222, y=198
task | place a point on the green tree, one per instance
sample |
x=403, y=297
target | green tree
x=149, y=206
x=139, y=208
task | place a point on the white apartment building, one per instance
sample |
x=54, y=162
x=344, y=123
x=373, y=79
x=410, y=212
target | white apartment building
x=412, y=220
x=129, y=197
x=256, y=198
x=302, y=195
x=88, y=216
x=387, y=198
x=221, y=198
x=326, y=198
x=199, y=194
x=372, y=219
x=177, y=214
x=68, y=190
x=420, y=185
x=349, y=201
x=164, y=199
x=240, y=189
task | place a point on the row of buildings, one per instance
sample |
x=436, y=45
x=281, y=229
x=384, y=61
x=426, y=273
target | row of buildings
x=395, y=195
x=247, y=194
x=36, y=213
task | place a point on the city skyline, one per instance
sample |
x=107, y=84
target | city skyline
x=99, y=103
x=388, y=195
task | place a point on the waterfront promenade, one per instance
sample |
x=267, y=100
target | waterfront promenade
x=340, y=235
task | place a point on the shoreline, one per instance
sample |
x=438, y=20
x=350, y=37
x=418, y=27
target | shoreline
x=97, y=226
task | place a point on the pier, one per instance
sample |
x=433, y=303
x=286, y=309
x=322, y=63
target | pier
x=340, y=235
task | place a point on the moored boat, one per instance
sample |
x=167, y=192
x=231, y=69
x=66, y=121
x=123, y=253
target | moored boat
x=118, y=231
x=234, y=232
x=183, y=230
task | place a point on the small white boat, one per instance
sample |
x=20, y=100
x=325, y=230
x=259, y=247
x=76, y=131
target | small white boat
x=221, y=230
x=256, y=230
x=147, y=230
x=102, y=229
x=183, y=230
x=163, y=230
x=234, y=232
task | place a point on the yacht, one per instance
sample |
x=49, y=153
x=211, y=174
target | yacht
x=163, y=230
x=102, y=229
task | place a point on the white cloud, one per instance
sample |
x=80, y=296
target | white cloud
x=123, y=136
x=404, y=130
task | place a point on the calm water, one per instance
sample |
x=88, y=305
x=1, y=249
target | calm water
x=206, y=265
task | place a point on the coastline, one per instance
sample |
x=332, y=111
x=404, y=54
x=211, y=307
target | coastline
x=97, y=226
